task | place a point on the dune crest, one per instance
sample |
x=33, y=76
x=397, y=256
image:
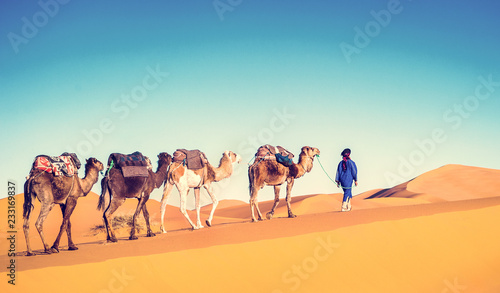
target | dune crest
x=457, y=182
x=447, y=183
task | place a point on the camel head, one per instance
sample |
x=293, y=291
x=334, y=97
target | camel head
x=309, y=152
x=93, y=163
x=91, y=178
x=164, y=159
x=235, y=158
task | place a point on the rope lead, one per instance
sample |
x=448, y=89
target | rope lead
x=338, y=185
x=109, y=168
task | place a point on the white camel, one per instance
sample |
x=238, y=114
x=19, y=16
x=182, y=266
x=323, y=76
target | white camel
x=184, y=179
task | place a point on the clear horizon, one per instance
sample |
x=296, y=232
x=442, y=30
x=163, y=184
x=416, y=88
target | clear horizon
x=409, y=86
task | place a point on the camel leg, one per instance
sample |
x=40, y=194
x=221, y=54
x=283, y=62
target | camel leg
x=184, y=193
x=44, y=212
x=140, y=204
x=255, y=204
x=261, y=218
x=166, y=192
x=114, y=204
x=253, y=192
x=289, y=186
x=26, y=224
x=253, y=197
x=145, y=213
x=198, y=207
x=277, y=189
x=71, y=245
x=215, y=202
x=252, y=209
x=68, y=209
x=26, y=228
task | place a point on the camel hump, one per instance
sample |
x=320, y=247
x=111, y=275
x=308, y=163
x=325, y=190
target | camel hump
x=131, y=165
x=284, y=152
x=269, y=150
x=74, y=157
x=64, y=164
x=275, y=153
x=193, y=159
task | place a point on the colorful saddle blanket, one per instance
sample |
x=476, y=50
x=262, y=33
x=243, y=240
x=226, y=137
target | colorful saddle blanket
x=193, y=159
x=66, y=164
x=278, y=153
x=132, y=165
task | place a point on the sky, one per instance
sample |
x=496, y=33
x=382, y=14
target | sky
x=409, y=86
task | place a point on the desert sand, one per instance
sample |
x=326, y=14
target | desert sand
x=436, y=233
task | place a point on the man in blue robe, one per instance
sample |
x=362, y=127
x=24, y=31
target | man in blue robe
x=347, y=172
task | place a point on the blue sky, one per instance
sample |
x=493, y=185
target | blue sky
x=98, y=77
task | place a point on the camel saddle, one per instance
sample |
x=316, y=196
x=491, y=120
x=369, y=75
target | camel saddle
x=66, y=164
x=132, y=165
x=193, y=159
x=275, y=153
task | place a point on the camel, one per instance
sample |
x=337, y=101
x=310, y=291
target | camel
x=184, y=179
x=61, y=190
x=120, y=188
x=270, y=172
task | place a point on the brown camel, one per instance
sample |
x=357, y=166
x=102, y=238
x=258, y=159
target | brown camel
x=51, y=190
x=120, y=188
x=270, y=172
x=184, y=179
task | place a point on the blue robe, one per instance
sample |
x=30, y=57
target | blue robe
x=346, y=177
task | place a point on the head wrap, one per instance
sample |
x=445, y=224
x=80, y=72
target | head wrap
x=345, y=156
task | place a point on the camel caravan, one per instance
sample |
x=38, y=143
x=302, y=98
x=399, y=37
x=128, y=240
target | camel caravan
x=54, y=180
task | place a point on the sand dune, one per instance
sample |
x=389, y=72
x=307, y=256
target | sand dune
x=448, y=183
x=393, y=249
x=246, y=231
x=456, y=182
x=419, y=236
x=223, y=204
